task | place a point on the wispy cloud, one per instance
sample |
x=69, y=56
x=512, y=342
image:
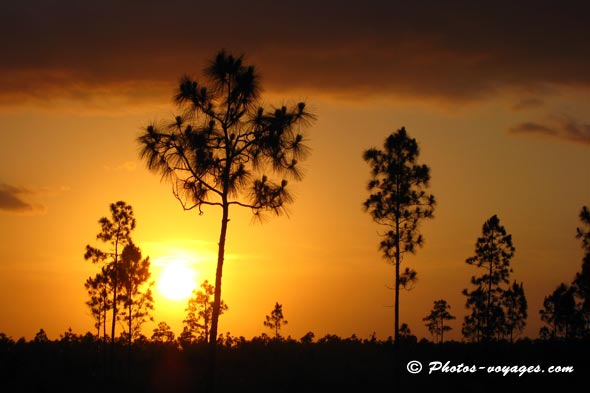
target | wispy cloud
x=14, y=199
x=27, y=200
x=563, y=127
x=127, y=166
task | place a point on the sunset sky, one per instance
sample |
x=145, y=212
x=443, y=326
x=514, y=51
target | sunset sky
x=497, y=96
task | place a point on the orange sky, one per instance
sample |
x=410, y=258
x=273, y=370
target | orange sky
x=497, y=101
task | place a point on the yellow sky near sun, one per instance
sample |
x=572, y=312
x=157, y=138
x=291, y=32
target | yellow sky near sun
x=322, y=261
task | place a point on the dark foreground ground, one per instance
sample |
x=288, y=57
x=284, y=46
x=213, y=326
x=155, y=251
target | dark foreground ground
x=329, y=366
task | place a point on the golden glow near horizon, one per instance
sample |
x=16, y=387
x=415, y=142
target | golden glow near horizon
x=324, y=255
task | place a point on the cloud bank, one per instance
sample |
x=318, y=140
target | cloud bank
x=460, y=50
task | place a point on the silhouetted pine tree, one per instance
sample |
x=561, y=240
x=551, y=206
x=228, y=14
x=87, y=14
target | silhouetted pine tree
x=560, y=313
x=163, y=333
x=197, y=323
x=136, y=291
x=399, y=201
x=116, y=232
x=100, y=303
x=515, y=310
x=215, y=152
x=489, y=302
x=436, y=320
x=275, y=321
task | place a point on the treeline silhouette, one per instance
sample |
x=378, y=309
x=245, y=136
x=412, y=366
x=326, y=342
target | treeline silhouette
x=73, y=363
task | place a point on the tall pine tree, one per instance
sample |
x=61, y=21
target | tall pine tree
x=399, y=201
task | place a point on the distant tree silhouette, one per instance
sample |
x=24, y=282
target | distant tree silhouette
x=275, y=321
x=230, y=341
x=399, y=201
x=6, y=341
x=163, y=333
x=406, y=335
x=488, y=302
x=100, y=303
x=197, y=324
x=68, y=337
x=559, y=312
x=136, y=293
x=515, y=310
x=41, y=337
x=116, y=232
x=307, y=338
x=214, y=153
x=436, y=320
x=186, y=337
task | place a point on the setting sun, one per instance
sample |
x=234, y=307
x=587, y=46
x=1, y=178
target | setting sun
x=177, y=281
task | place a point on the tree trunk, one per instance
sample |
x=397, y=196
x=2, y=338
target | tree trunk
x=396, y=343
x=217, y=297
x=130, y=321
x=488, y=332
x=104, y=325
x=397, y=283
x=115, y=286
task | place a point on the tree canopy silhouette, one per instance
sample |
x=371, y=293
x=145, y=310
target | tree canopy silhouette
x=99, y=291
x=496, y=309
x=199, y=310
x=163, y=333
x=399, y=201
x=515, y=310
x=276, y=320
x=223, y=148
x=116, y=232
x=560, y=314
x=136, y=292
x=436, y=320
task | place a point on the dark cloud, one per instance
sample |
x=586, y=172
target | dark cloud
x=11, y=200
x=433, y=49
x=559, y=126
